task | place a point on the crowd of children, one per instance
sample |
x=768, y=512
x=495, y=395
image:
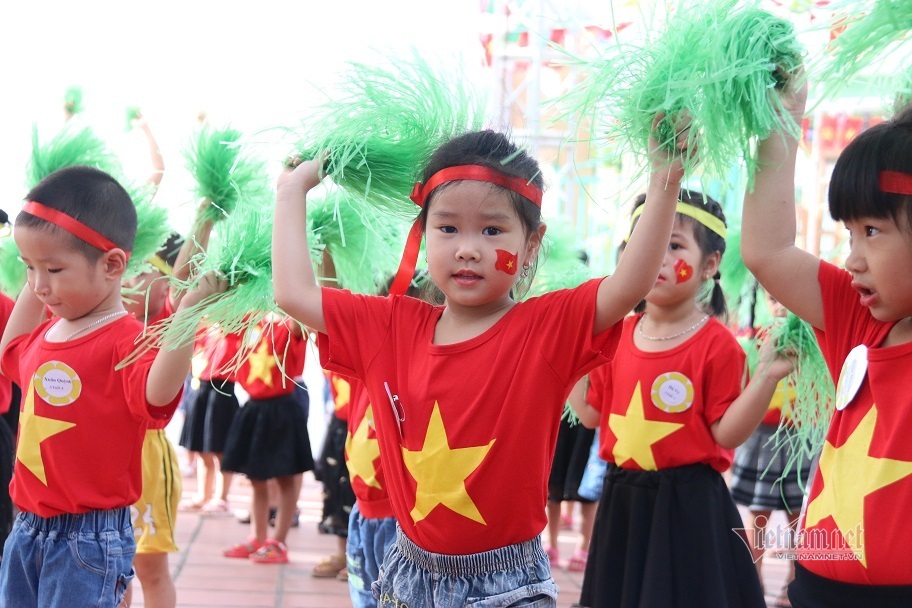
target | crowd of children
x=446, y=457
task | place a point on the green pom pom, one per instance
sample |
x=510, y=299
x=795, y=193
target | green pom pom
x=715, y=63
x=380, y=132
x=222, y=170
x=152, y=228
x=364, y=243
x=560, y=262
x=72, y=100
x=12, y=270
x=73, y=145
x=133, y=113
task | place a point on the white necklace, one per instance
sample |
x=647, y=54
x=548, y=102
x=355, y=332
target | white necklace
x=94, y=324
x=673, y=336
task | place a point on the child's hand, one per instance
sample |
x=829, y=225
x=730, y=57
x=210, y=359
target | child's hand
x=668, y=167
x=209, y=283
x=301, y=175
x=794, y=96
x=775, y=364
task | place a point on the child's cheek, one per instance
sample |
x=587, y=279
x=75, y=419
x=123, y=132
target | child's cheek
x=683, y=271
x=506, y=261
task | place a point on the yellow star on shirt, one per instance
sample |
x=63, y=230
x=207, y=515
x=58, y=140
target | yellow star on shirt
x=849, y=474
x=362, y=451
x=35, y=429
x=440, y=472
x=343, y=392
x=635, y=435
x=262, y=361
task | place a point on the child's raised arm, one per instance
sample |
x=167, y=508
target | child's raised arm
x=28, y=313
x=638, y=268
x=293, y=280
x=768, y=223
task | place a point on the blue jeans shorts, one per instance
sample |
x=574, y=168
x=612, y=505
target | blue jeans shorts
x=512, y=576
x=368, y=541
x=79, y=560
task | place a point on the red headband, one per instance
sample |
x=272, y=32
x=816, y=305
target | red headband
x=420, y=193
x=895, y=182
x=477, y=173
x=71, y=225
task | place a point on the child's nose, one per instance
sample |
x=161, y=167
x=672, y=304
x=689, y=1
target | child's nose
x=467, y=249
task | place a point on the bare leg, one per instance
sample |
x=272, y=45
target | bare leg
x=587, y=510
x=554, y=522
x=259, y=511
x=205, y=476
x=155, y=577
x=288, y=500
x=759, y=519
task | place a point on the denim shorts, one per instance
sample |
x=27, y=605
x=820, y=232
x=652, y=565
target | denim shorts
x=68, y=560
x=516, y=575
x=368, y=541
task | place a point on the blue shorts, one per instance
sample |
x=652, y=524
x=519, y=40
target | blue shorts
x=68, y=560
x=368, y=541
x=516, y=575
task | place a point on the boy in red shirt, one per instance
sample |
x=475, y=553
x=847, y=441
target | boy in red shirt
x=78, y=464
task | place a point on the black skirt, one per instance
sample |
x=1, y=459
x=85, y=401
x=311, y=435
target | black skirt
x=331, y=470
x=810, y=590
x=210, y=412
x=669, y=539
x=570, y=457
x=269, y=439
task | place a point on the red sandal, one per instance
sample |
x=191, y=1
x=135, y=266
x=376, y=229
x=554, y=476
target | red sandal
x=272, y=552
x=577, y=563
x=244, y=550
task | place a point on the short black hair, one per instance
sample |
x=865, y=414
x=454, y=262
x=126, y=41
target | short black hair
x=90, y=196
x=855, y=186
x=171, y=248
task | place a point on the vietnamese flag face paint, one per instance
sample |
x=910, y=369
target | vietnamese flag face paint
x=506, y=261
x=683, y=271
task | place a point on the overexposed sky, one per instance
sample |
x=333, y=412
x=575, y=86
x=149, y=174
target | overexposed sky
x=255, y=65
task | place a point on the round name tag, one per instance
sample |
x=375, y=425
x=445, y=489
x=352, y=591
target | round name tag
x=672, y=392
x=852, y=375
x=57, y=383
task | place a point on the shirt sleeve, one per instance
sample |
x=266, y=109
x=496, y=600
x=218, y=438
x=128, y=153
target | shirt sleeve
x=724, y=377
x=9, y=364
x=134, y=378
x=599, y=386
x=348, y=345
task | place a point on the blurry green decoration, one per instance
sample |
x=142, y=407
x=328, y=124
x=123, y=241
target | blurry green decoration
x=867, y=32
x=738, y=284
x=379, y=132
x=12, y=269
x=223, y=170
x=903, y=95
x=813, y=406
x=712, y=71
x=72, y=145
x=152, y=228
x=133, y=113
x=560, y=262
x=72, y=100
x=364, y=243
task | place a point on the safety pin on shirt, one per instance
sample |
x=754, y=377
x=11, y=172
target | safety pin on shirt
x=398, y=409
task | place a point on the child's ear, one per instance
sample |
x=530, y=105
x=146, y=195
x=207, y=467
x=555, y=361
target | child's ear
x=535, y=240
x=711, y=265
x=114, y=262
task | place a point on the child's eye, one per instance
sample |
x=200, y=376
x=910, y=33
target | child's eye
x=491, y=231
x=870, y=230
x=448, y=229
x=54, y=270
x=674, y=246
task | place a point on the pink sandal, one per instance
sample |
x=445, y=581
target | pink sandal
x=577, y=563
x=244, y=550
x=552, y=556
x=272, y=552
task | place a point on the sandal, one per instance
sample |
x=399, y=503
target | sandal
x=190, y=505
x=577, y=563
x=272, y=552
x=216, y=507
x=552, y=556
x=566, y=522
x=244, y=550
x=329, y=567
x=782, y=600
x=343, y=575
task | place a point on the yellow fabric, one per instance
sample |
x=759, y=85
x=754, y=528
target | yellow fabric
x=154, y=512
x=704, y=217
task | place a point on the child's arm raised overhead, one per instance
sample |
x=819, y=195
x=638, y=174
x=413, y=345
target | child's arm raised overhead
x=638, y=268
x=768, y=223
x=171, y=366
x=744, y=414
x=293, y=280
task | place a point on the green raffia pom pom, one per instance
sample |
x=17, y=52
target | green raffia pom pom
x=875, y=30
x=364, y=243
x=381, y=130
x=738, y=284
x=72, y=100
x=812, y=408
x=222, y=170
x=73, y=145
x=715, y=63
x=12, y=270
x=133, y=113
x=152, y=228
x=560, y=265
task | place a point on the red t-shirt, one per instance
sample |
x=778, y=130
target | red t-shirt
x=859, y=497
x=276, y=357
x=362, y=455
x=657, y=407
x=214, y=354
x=83, y=422
x=468, y=452
x=6, y=385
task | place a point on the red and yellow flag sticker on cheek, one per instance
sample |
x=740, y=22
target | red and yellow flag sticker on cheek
x=506, y=261
x=683, y=271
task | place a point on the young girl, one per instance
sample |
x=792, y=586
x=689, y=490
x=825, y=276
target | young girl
x=268, y=438
x=669, y=415
x=468, y=395
x=853, y=548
